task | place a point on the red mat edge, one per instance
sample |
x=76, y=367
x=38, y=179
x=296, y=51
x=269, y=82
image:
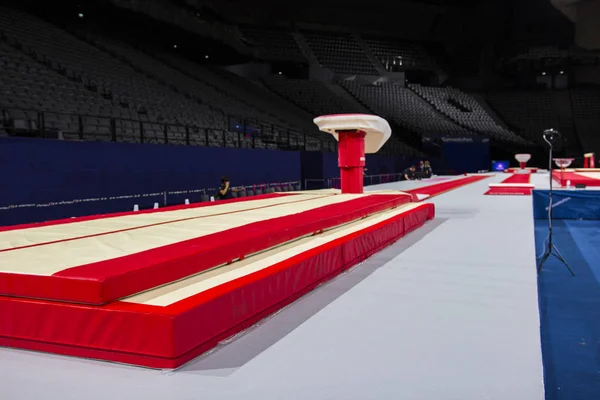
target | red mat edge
x=22, y=315
x=509, y=191
x=109, y=280
x=512, y=170
x=448, y=186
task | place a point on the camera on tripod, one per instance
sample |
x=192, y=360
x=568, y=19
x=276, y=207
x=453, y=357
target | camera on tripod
x=551, y=135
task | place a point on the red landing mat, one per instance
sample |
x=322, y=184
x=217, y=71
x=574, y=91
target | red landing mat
x=443, y=187
x=533, y=170
x=517, y=178
x=169, y=336
x=111, y=279
x=514, y=185
x=576, y=178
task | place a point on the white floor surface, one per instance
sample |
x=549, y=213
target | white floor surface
x=448, y=312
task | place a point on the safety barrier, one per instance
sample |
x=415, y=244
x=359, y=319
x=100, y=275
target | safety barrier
x=11, y=214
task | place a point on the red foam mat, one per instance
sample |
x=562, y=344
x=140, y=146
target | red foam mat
x=575, y=178
x=517, y=178
x=509, y=191
x=167, y=337
x=512, y=190
x=109, y=280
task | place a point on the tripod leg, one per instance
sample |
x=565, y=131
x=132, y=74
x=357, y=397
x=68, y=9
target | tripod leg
x=561, y=259
x=543, y=259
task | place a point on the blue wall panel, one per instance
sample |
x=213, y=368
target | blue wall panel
x=466, y=156
x=42, y=171
x=567, y=204
x=375, y=163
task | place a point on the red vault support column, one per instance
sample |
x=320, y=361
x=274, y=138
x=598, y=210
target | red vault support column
x=588, y=160
x=357, y=135
x=351, y=160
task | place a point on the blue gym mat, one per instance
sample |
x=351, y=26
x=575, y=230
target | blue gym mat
x=570, y=310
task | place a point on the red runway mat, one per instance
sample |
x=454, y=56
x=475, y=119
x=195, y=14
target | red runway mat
x=443, y=187
x=168, y=336
x=575, y=178
x=114, y=278
x=513, y=170
x=518, y=178
x=514, y=185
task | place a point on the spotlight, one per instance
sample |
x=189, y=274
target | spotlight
x=206, y=56
x=174, y=46
x=80, y=15
x=562, y=72
x=279, y=72
x=544, y=73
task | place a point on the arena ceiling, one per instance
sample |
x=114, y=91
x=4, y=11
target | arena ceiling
x=415, y=19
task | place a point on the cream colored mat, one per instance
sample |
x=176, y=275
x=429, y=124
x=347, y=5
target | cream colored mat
x=588, y=170
x=51, y=258
x=44, y=234
x=180, y=290
x=320, y=192
x=390, y=192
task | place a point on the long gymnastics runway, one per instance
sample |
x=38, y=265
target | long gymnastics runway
x=448, y=312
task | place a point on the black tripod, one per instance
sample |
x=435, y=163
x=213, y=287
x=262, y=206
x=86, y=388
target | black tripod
x=550, y=136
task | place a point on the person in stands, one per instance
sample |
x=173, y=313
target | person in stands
x=409, y=173
x=421, y=167
x=225, y=190
x=427, y=169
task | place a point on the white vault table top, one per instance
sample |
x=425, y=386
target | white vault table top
x=377, y=129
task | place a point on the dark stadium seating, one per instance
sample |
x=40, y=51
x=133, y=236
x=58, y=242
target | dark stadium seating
x=340, y=53
x=399, y=56
x=274, y=45
x=75, y=85
x=464, y=110
x=586, y=112
x=110, y=80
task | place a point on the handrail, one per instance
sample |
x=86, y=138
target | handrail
x=335, y=183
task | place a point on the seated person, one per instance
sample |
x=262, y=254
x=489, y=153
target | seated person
x=427, y=170
x=225, y=189
x=409, y=173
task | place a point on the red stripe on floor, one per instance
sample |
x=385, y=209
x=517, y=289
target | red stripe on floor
x=518, y=178
x=443, y=187
x=509, y=191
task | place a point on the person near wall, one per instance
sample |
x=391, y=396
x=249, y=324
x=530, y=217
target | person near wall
x=409, y=173
x=427, y=169
x=225, y=191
